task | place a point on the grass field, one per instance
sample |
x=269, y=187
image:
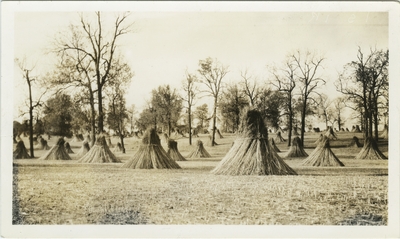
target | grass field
x=66, y=192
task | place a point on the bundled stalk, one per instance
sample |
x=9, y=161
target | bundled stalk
x=273, y=146
x=83, y=150
x=199, y=151
x=322, y=156
x=279, y=138
x=385, y=133
x=42, y=144
x=356, y=129
x=20, y=151
x=296, y=149
x=99, y=153
x=251, y=153
x=173, y=151
x=68, y=148
x=77, y=138
x=330, y=134
x=370, y=150
x=117, y=148
x=109, y=143
x=57, y=152
x=151, y=155
x=319, y=140
x=219, y=134
x=355, y=143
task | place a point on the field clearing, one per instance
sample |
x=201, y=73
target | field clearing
x=65, y=192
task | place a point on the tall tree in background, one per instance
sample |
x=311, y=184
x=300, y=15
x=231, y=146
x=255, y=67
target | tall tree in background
x=118, y=115
x=338, y=106
x=284, y=81
x=231, y=105
x=365, y=82
x=212, y=72
x=189, y=97
x=324, y=108
x=92, y=49
x=307, y=65
x=201, y=113
x=251, y=89
x=270, y=103
x=32, y=103
x=58, y=115
x=167, y=105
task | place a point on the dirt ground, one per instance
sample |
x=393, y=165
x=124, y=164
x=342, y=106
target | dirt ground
x=67, y=192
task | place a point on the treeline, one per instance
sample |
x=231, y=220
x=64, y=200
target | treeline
x=88, y=90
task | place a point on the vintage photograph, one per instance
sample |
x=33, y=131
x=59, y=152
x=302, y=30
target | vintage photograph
x=152, y=117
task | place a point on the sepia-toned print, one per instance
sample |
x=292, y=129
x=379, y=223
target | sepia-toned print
x=200, y=118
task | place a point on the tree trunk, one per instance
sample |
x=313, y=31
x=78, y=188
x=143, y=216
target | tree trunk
x=290, y=122
x=93, y=121
x=100, y=107
x=121, y=137
x=214, y=123
x=303, y=119
x=190, y=124
x=30, y=117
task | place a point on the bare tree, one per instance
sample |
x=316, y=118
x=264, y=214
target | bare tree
x=251, y=89
x=338, y=106
x=324, y=105
x=189, y=97
x=307, y=65
x=365, y=82
x=91, y=45
x=32, y=103
x=284, y=81
x=212, y=72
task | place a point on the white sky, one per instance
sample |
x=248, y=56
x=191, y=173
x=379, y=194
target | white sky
x=164, y=44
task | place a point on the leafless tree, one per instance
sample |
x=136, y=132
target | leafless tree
x=93, y=50
x=190, y=94
x=212, y=72
x=32, y=103
x=307, y=66
x=284, y=81
x=251, y=89
x=365, y=81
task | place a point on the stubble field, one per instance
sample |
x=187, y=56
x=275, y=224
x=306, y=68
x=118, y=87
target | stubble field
x=67, y=192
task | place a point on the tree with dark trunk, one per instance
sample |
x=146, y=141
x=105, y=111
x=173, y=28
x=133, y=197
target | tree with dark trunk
x=365, y=82
x=212, y=72
x=32, y=104
x=189, y=97
x=167, y=105
x=307, y=66
x=95, y=47
x=284, y=81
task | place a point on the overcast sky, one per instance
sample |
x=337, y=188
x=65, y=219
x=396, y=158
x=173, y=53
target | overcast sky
x=164, y=44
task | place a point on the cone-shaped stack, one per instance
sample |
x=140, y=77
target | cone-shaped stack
x=99, y=153
x=279, y=138
x=20, y=151
x=273, y=146
x=173, y=152
x=385, y=132
x=322, y=156
x=57, y=152
x=355, y=143
x=117, y=148
x=83, y=150
x=296, y=149
x=68, y=148
x=330, y=133
x=42, y=145
x=150, y=154
x=251, y=153
x=319, y=140
x=199, y=151
x=370, y=150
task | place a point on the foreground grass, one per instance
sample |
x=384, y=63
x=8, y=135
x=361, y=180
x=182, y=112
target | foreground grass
x=71, y=193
